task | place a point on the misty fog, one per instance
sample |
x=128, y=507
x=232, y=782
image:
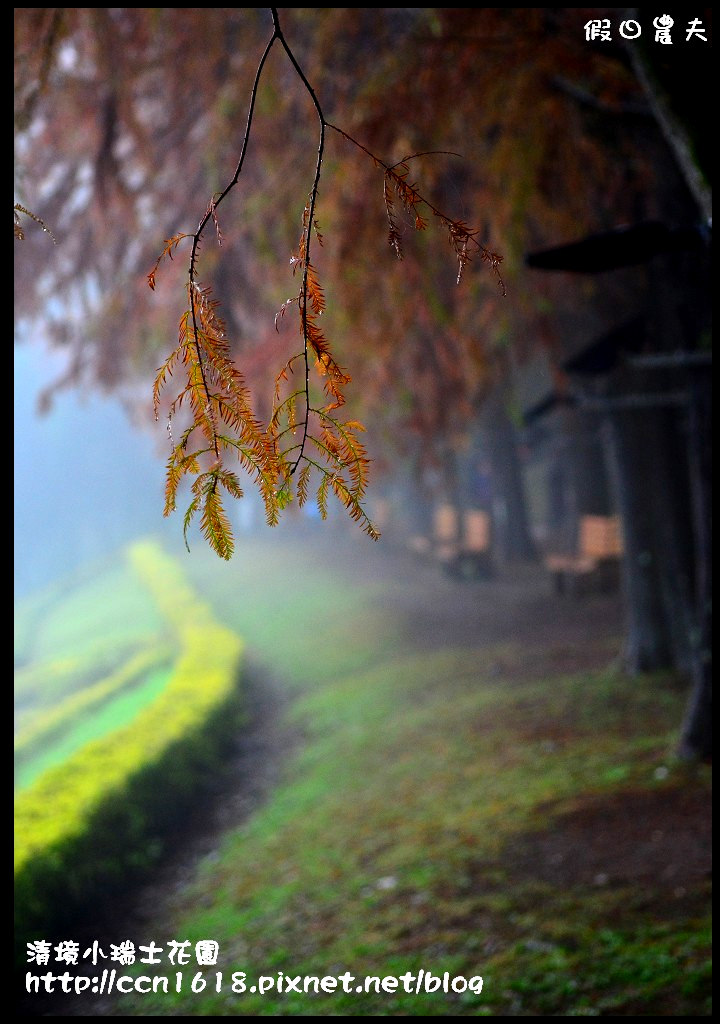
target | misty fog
x=86, y=479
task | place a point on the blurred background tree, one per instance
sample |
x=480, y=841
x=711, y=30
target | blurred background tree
x=128, y=119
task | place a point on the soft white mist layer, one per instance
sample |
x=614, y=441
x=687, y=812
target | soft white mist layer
x=86, y=479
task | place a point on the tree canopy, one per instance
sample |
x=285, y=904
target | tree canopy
x=129, y=122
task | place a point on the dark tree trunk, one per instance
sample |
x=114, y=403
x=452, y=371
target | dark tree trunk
x=647, y=642
x=696, y=738
x=421, y=498
x=511, y=525
x=588, y=475
x=453, y=484
x=672, y=95
x=578, y=483
x=650, y=456
x=669, y=494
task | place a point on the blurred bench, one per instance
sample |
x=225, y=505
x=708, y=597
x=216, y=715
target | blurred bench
x=597, y=561
x=462, y=542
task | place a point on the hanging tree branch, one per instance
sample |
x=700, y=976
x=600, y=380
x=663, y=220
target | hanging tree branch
x=460, y=234
x=17, y=225
x=222, y=420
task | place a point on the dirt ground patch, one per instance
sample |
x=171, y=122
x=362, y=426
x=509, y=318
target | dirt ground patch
x=519, y=606
x=659, y=838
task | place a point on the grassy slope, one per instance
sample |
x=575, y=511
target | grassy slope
x=109, y=783
x=114, y=713
x=79, y=636
x=112, y=605
x=74, y=633
x=412, y=829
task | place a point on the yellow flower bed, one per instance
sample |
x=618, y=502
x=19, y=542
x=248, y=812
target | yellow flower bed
x=83, y=826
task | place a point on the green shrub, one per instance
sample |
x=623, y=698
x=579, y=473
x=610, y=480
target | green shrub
x=84, y=828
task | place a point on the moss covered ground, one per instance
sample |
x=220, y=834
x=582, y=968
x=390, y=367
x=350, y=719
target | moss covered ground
x=476, y=789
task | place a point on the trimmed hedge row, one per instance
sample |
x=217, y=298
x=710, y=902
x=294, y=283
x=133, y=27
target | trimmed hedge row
x=85, y=828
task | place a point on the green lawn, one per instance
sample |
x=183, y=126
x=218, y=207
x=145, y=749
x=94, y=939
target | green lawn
x=110, y=608
x=97, y=722
x=440, y=814
x=105, y=773
x=74, y=634
x=79, y=645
